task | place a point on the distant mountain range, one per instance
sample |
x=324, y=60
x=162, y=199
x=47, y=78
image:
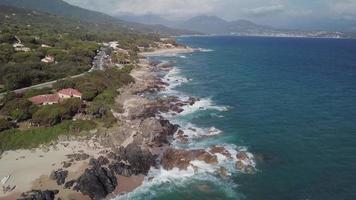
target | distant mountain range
x=62, y=8
x=214, y=25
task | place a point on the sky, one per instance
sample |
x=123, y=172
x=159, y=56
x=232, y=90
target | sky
x=279, y=13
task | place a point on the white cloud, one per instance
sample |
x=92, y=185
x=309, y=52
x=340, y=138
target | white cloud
x=266, y=10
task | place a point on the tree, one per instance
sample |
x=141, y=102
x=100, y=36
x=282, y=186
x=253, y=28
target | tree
x=48, y=115
x=18, y=109
x=62, y=84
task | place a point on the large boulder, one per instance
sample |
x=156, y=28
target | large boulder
x=59, y=176
x=181, y=158
x=96, y=182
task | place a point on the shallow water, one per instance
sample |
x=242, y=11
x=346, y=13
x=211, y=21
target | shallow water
x=291, y=102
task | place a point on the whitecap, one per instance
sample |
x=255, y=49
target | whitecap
x=203, y=104
x=204, y=50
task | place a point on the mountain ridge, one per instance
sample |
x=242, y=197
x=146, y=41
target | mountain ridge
x=62, y=8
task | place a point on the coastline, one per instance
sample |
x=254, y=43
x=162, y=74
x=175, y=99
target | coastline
x=144, y=139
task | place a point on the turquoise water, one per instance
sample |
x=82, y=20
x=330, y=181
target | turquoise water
x=292, y=103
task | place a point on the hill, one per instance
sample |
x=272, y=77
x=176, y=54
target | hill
x=214, y=25
x=62, y=8
x=28, y=36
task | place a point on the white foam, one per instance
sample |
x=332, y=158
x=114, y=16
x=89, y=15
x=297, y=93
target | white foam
x=204, y=50
x=203, y=104
x=174, y=79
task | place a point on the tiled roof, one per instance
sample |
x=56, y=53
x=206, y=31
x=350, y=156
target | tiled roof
x=70, y=92
x=43, y=99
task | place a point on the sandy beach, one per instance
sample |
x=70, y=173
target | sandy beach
x=168, y=51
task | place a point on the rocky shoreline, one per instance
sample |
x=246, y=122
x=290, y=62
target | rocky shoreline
x=143, y=141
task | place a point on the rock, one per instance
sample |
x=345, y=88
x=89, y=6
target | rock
x=181, y=158
x=78, y=156
x=191, y=101
x=220, y=150
x=99, y=162
x=39, y=195
x=140, y=161
x=59, y=176
x=223, y=172
x=242, y=155
x=96, y=182
x=181, y=137
x=66, y=164
x=202, y=155
x=69, y=184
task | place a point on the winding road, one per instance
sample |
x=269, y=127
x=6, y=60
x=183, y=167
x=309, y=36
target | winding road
x=97, y=64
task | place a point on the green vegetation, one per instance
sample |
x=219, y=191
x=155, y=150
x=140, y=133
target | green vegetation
x=72, y=43
x=4, y=124
x=25, y=139
x=50, y=115
x=18, y=109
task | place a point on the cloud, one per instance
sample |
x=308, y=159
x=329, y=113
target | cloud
x=266, y=10
x=344, y=8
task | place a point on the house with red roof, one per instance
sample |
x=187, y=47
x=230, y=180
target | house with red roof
x=69, y=93
x=47, y=99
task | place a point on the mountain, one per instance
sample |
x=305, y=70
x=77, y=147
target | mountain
x=150, y=19
x=62, y=8
x=214, y=25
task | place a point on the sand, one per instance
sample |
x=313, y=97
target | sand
x=26, y=166
x=168, y=51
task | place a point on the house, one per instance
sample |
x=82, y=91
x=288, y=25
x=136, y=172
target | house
x=47, y=99
x=20, y=47
x=48, y=59
x=69, y=93
x=45, y=46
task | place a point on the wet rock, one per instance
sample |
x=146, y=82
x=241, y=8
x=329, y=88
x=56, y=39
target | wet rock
x=39, y=195
x=181, y=158
x=181, y=137
x=223, y=172
x=220, y=150
x=96, y=182
x=59, y=176
x=137, y=161
x=242, y=155
x=191, y=101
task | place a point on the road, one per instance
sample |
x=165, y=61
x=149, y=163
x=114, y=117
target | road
x=98, y=64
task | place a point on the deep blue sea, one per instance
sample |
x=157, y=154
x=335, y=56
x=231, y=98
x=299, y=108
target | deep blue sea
x=291, y=102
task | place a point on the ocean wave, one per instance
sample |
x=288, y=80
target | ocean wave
x=174, y=79
x=203, y=104
x=204, y=50
x=196, y=171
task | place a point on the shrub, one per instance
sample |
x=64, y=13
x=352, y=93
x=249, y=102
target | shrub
x=4, y=124
x=18, y=109
x=62, y=84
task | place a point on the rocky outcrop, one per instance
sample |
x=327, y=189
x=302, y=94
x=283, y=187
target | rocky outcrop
x=182, y=137
x=244, y=162
x=133, y=160
x=39, y=195
x=181, y=158
x=96, y=182
x=59, y=176
x=220, y=150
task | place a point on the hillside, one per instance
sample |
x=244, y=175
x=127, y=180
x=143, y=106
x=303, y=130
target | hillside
x=72, y=43
x=61, y=8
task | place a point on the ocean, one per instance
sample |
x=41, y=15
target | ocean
x=291, y=102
